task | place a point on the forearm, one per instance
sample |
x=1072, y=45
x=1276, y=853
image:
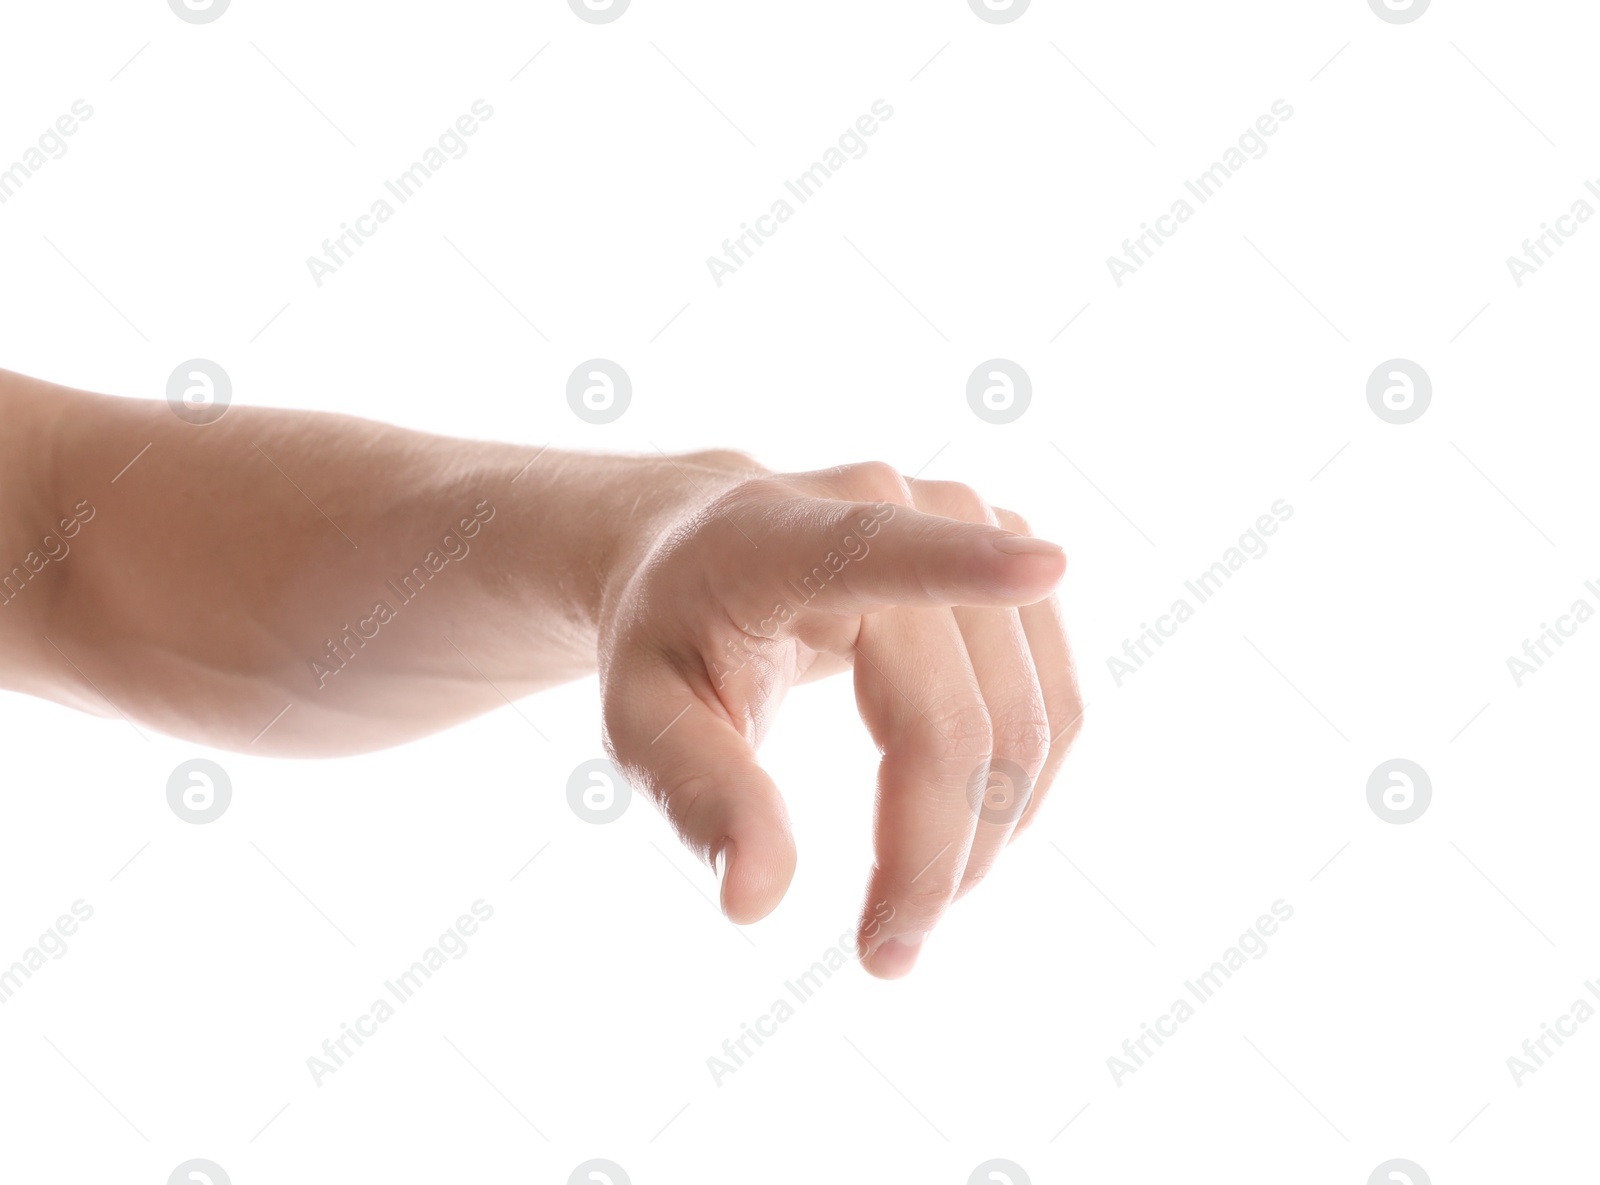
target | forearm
x=377, y=582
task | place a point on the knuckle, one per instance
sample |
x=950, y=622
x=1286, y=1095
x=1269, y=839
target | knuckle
x=962, y=731
x=683, y=798
x=1024, y=738
x=878, y=481
x=955, y=499
x=734, y=460
x=927, y=898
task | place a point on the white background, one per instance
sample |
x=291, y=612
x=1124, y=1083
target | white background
x=1228, y=373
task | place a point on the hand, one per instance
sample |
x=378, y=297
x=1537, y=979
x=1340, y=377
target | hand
x=963, y=676
x=704, y=587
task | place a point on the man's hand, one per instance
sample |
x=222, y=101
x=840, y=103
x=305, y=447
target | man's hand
x=300, y=584
x=962, y=674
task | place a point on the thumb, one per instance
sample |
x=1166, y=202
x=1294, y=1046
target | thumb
x=704, y=777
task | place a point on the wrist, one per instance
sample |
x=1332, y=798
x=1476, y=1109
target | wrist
x=583, y=525
x=666, y=491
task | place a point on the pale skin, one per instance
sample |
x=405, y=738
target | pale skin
x=199, y=591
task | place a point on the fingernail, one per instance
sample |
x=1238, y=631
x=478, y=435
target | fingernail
x=897, y=956
x=1026, y=545
x=720, y=863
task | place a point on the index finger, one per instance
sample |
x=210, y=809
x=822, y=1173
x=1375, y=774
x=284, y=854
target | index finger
x=821, y=555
